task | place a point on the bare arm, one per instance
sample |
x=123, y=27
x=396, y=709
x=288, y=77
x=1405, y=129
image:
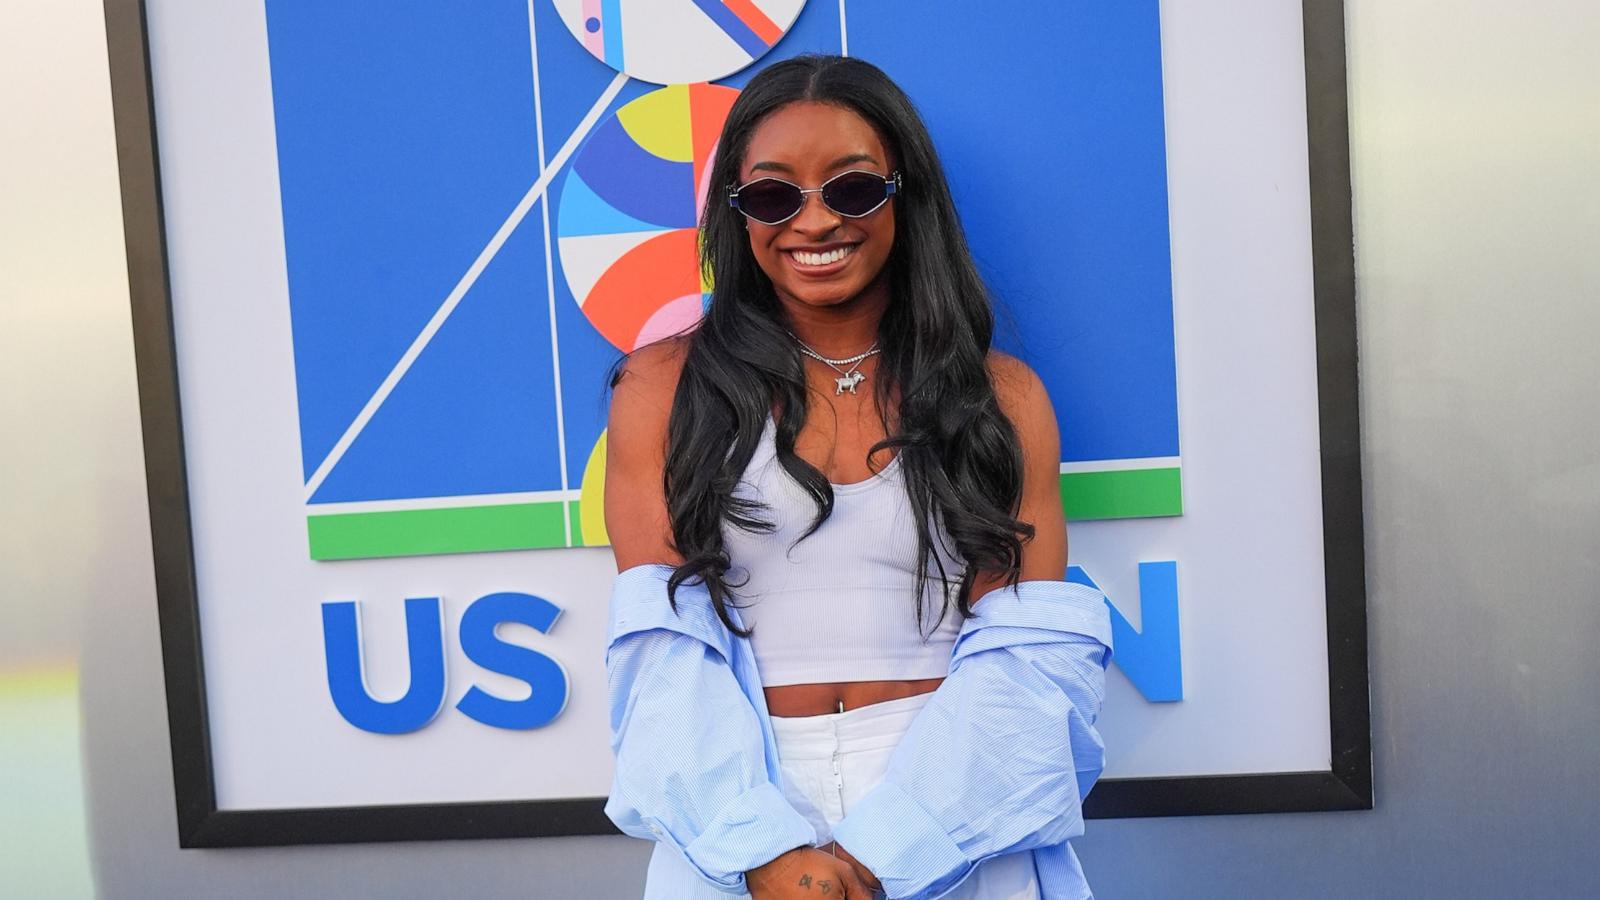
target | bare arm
x=1026, y=404
x=637, y=521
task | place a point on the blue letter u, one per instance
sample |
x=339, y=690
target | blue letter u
x=341, y=638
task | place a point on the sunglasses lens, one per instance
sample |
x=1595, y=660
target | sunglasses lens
x=770, y=200
x=855, y=193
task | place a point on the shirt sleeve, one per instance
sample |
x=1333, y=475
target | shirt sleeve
x=692, y=767
x=1002, y=755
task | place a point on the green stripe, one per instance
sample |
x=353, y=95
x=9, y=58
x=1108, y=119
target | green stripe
x=1125, y=494
x=1129, y=494
x=420, y=532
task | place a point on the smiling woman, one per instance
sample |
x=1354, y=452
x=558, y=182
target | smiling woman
x=817, y=254
x=806, y=695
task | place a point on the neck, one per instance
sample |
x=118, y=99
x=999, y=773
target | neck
x=841, y=329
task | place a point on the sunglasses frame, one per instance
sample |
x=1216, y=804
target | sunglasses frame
x=891, y=185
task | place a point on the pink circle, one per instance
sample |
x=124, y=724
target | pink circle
x=671, y=318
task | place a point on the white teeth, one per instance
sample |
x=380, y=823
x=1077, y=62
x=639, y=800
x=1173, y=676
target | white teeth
x=821, y=259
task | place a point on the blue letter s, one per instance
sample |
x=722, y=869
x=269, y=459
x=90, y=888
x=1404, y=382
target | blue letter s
x=544, y=675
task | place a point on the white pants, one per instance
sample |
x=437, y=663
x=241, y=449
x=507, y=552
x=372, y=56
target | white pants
x=829, y=762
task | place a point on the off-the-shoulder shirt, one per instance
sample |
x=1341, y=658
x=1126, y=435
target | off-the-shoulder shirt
x=998, y=761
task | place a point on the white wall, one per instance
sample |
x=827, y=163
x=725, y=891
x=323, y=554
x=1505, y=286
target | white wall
x=1476, y=156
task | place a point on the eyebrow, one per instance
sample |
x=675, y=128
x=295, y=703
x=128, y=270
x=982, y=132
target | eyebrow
x=770, y=166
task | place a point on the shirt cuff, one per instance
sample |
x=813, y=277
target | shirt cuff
x=1055, y=605
x=899, y=842
x=754, y=828
x=639, y=603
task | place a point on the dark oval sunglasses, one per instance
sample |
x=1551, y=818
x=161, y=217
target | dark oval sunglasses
x=852, y=194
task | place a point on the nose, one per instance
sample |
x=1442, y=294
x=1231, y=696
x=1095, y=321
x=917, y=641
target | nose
x=815, y=218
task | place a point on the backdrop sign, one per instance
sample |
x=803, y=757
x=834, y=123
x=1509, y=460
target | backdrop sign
x=402, y=246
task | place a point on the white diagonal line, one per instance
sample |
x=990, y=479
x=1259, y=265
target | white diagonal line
x=465, y=284
x=844, y=35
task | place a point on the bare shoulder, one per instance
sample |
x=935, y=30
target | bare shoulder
x=649, y=376
x=1020, y=393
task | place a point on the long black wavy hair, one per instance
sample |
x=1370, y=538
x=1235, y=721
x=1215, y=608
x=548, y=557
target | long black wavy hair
x=959, y=454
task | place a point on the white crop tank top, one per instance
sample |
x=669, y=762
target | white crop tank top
x=838, y=607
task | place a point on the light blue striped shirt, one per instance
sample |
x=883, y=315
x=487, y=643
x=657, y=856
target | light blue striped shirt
x=982, y=771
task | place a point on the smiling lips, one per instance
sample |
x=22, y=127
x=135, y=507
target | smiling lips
x=826, y=258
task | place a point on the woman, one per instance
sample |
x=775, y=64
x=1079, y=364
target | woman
x=822, y=480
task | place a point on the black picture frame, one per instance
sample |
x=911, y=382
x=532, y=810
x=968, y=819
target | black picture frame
x=1346, y=785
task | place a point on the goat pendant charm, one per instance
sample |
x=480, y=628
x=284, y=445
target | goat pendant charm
x=848, y=381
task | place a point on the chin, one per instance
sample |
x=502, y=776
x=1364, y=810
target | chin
x=824, y=295
x=824, y=291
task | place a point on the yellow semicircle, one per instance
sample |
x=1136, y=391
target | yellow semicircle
x=659, y=122
x=592, y=497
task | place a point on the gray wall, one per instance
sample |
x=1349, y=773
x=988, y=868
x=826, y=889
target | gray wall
x=65, y=409
x=1476, y=147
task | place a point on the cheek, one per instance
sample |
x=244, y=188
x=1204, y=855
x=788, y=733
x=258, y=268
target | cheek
x=766, y=255
x=883, y=235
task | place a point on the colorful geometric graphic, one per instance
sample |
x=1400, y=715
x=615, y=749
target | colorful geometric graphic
x=629, y=207
x=678, y=41
x=480, y=215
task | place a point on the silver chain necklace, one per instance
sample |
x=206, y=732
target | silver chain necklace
x=848, y=379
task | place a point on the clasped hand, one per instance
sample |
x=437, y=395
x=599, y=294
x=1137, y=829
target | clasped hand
x=812, y=873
